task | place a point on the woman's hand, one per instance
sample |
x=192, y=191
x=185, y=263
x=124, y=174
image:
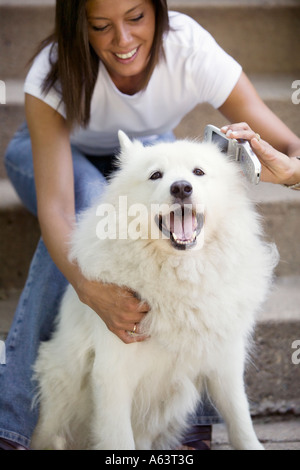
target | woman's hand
x=118, y=307
x=276, y=166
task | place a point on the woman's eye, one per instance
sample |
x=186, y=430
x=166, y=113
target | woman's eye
x=156, y=175
x=104, y=28
x=99, y=28
x=138, y=18
x=198, y=172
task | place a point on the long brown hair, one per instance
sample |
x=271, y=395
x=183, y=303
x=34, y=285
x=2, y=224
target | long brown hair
x=74, y=67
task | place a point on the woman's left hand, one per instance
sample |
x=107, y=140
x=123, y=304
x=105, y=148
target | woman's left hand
x=276, y=166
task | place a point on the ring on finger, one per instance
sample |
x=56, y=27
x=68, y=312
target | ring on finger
x=133, y=331
x=257, y=136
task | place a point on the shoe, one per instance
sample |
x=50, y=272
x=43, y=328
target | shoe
x=198, y=438
x=10, y=445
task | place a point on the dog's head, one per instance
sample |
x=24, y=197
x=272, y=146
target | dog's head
x=172, y=191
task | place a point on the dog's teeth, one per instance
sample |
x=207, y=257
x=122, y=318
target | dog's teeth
x=185, y=242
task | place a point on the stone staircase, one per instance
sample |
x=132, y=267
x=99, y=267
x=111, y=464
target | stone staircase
x=264, y=36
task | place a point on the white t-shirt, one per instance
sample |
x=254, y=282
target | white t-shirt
x=196, y=70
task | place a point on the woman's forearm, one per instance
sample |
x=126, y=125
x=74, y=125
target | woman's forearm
x=56, y=229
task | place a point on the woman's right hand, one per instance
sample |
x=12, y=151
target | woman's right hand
x=118, y=307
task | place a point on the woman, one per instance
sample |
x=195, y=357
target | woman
x=110, y=65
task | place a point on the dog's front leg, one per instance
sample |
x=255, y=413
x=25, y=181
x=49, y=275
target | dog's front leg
x=226, y=388
x=111, y=422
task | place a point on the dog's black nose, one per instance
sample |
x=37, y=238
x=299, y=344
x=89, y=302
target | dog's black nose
x=181, y=189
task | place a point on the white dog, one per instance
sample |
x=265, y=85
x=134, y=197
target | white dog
x=180, y=231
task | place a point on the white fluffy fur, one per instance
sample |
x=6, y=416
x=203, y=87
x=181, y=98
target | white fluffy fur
x=97, y=392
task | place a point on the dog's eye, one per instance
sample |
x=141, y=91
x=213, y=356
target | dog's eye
x=156, y=175
x=198, y=172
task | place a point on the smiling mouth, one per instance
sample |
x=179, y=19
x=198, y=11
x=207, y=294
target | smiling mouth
x=129, y=55
x=181, y=226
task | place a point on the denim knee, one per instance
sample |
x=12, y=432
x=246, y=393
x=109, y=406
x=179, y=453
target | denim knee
x=18, y=161
x=19, y=168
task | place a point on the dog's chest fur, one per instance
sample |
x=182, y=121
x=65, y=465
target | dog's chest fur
x=195, y=323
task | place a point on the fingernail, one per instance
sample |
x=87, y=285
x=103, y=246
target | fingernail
x=228, y=134
x=224, y=128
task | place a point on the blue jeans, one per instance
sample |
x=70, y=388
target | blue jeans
x=38, y=305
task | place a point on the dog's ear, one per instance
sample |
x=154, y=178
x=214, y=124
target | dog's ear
x=125, y=142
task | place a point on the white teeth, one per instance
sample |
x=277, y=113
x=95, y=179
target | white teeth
x=127, y=56
x=185, y=242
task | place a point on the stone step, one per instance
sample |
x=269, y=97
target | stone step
x=276, y=91
x=280, y=210
x=275, y=434
x=19, y=234
x=273, y=375
x=259, y=34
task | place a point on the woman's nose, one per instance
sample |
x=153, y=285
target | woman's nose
x=122, y=35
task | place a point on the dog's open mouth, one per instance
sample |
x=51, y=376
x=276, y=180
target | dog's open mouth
x=182, y=226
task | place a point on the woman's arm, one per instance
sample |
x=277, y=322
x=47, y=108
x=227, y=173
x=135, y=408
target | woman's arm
x=244, y=106
x=54, y=179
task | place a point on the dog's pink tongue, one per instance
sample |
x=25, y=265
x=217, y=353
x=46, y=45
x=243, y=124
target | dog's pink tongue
x=182, y=226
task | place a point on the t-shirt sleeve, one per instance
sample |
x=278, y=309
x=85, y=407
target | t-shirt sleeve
x=34, y=82
x=212, y=71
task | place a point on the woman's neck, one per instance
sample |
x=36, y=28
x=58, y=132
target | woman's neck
x=129, y=85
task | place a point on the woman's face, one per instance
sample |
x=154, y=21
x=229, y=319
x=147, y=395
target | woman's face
x=121, y=32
